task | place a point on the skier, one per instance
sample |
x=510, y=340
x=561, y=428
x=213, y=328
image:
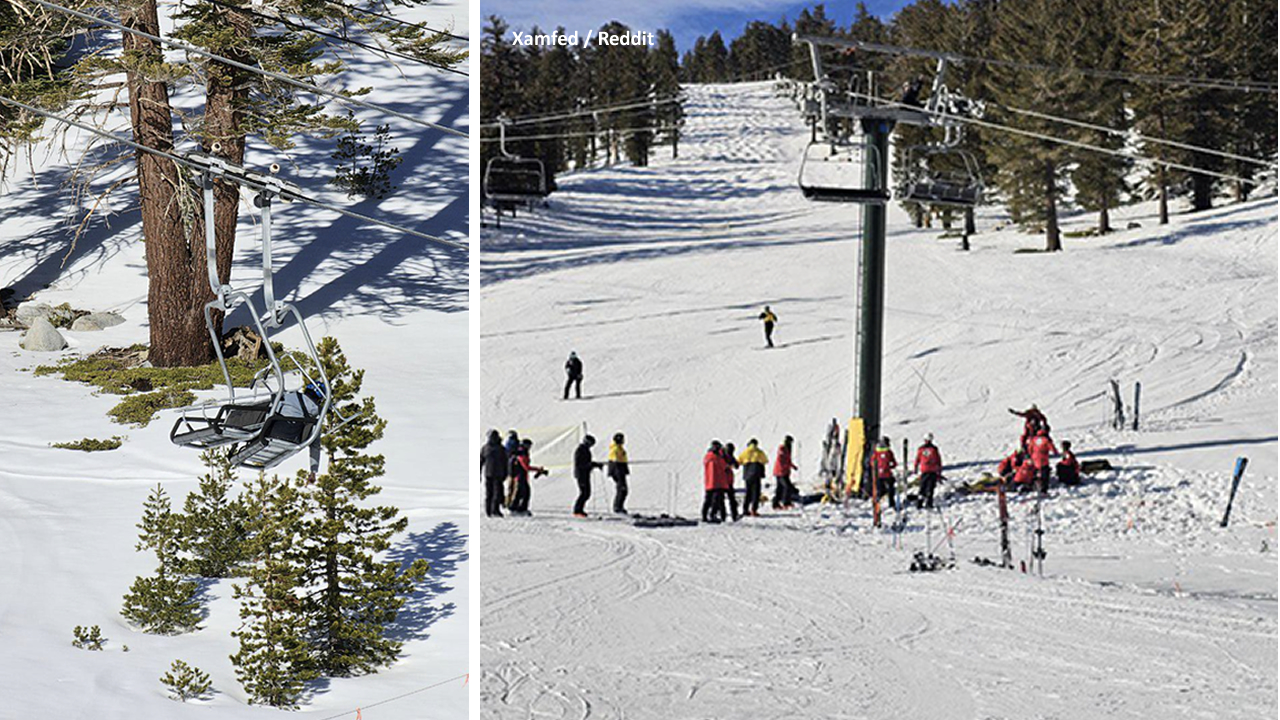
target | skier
x=1068, y=466
x=573, y=369
x=512, y=446
x=712, y=479
x=753, y=461
x=884, y=462
x=1009, y=465
x=520, y=469
x=494, y=469
x=929, y=467
x=1040, y=448
x=582, y=467
x=730, y=494
x=769, y=321
x=618, y=470
x=1035, y=421
x=784, y=493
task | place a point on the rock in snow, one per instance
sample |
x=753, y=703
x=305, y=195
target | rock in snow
x=29, y=311
x=96, y=321
x=43, y=337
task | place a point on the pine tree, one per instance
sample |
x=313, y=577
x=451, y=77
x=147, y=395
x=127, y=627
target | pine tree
x=274, y=661
x=164, y=604
x=1100, y=178
x=352, y=596
x=213, y=523
x=664, y=68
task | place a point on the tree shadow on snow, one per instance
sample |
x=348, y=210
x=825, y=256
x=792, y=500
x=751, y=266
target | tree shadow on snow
x=444, y=547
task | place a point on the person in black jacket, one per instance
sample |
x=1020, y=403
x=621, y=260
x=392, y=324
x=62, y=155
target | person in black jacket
x=582, y=467
x=494, y=466
x=573, y=368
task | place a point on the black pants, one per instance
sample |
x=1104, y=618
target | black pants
x=928, y=481
x=768, y=333
x=751, y=504
x=713, y=506
x=1042, y=479
x=620, y=495
x=1068, y=475
x=885, y=489
x=520, y=500
x=784, y=493
x=584, y=494
x=576, y=384
x=732, y=496
x=493, y=496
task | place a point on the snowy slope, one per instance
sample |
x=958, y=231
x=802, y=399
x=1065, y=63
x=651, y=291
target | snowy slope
x=397, y=306
x=655, y=277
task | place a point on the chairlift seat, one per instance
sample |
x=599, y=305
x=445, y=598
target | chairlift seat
x=943, y=193
x=844, y=194
x=233, y=423
x=280, y=439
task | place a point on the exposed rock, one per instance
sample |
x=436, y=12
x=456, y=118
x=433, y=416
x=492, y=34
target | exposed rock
x=29, y=311
x=43, y=337
x=96, y=321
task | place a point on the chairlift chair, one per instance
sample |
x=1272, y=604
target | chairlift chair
x=953, y=180
x=839, y=172
x=513, y=180
x=270, y=421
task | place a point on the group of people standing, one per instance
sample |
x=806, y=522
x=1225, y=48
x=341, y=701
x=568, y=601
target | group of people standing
x=720, y=498
x=928, y=467
x=506, y=469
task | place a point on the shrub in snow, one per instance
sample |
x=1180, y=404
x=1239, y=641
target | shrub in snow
x=213, y=524
x=186, y=682
x=88, y=638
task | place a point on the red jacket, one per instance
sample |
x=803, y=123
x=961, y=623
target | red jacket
x=1069, y=459
x=713, y=471
x=1008, y=465
x=1040, y=448
x=782, y=466
x=928, y=459
x=1024, y=474
x=884, y=462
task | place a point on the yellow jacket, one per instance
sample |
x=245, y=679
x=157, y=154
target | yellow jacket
x=617, y=453
x=753, y=455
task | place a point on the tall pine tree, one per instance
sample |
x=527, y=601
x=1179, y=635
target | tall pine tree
x=165, y=603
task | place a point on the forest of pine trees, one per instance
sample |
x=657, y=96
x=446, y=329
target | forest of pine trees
x=1034, y=179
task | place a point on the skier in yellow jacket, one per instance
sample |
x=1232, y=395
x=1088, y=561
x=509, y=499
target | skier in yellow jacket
x=618, y=470
x=753, y=461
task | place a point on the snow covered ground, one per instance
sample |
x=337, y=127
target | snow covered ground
x=397, y=305
x=655, y=277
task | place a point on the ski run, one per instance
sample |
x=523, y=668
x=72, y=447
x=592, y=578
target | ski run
x=656, y=277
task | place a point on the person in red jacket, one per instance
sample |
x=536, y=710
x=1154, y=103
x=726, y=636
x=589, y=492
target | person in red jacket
x=1040, y=448
x=520, y=469
x=1009, y=465
x=712, y=480
x=883, y=463
x=929, y=467
x=1068, y=466
x=1025, y=474
x=1035, y=421
x=785, y=494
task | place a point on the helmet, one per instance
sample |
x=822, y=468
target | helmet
x=526, y=443
x=1033, y=406
x=715, y=445
x=589, y=440
x=928, y=437
x=573, y=354
x=512, y=433
x=617, y=437
x=495, y=436
x=753, y=442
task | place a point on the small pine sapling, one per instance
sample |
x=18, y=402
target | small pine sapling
x=186, y=682
x=88, y=638
x=213, y=523
x=365, y=165
x=165, y=603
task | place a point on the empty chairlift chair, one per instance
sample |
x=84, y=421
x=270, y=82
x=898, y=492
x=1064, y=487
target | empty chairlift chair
x=285, y=407
x=842, y=173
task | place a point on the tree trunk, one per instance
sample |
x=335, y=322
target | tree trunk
x=1162, y=177
x=1104, y=218
x=225, y=97
x=1053, y=241
x=1201, y=192
x=176, y=289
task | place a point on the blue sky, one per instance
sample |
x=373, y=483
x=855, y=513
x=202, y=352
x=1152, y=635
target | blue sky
x=686, y=19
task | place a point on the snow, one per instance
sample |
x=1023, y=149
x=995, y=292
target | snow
x=655, y=276
x=397, y=305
